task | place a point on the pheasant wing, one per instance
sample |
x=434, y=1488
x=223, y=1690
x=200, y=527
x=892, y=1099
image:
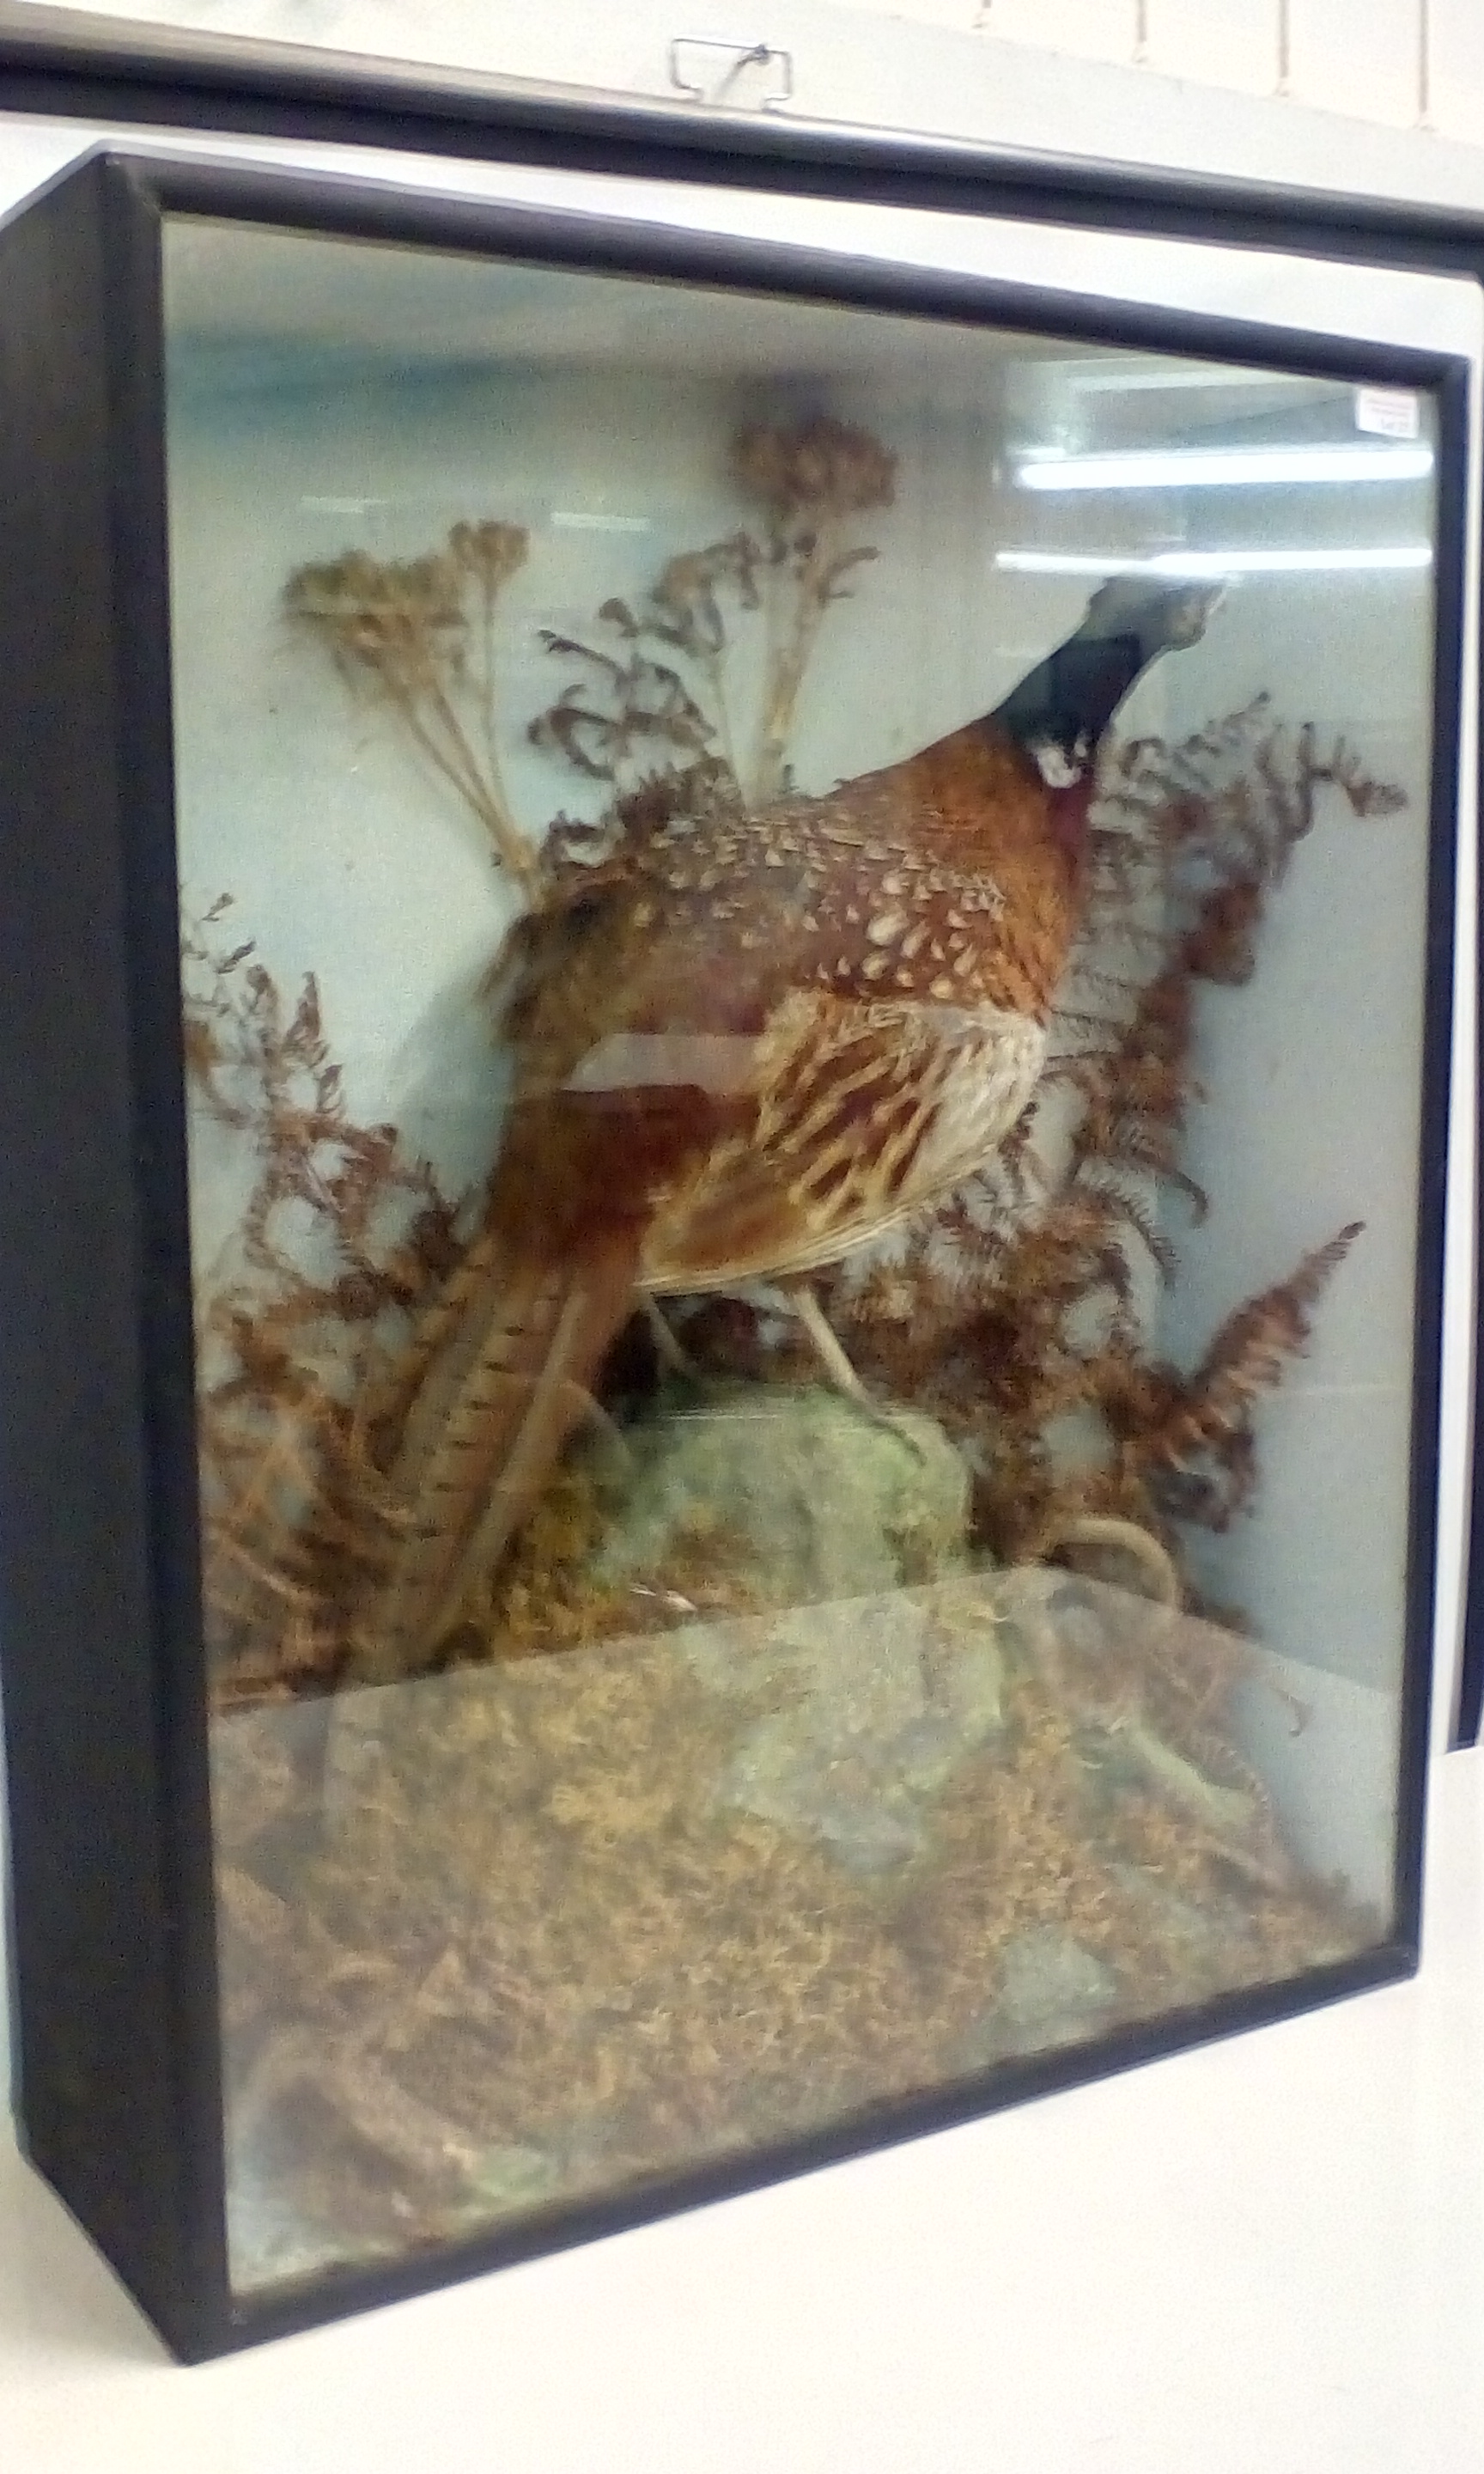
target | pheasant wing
x=861, y=1114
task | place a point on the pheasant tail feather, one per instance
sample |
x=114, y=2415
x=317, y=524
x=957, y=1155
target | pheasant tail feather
x=499, y=1393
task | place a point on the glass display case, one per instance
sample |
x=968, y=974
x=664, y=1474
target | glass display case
x=730, y=958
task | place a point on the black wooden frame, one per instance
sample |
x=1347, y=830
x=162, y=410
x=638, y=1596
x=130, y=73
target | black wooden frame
x=104, y=1678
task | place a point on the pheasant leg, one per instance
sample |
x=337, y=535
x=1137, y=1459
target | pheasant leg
x=826, y=1346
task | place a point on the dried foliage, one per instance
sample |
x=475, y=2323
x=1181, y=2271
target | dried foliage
x=340, y=1237
x=661, y=705
x=265, y=1073
x=421, y=637
x=1221, y=814
x=1191, y=1442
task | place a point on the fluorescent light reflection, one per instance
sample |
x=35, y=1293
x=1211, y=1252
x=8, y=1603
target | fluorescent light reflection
x=591, y=519
x=1386, y=557
x=1213, y=378
x=1223, y=467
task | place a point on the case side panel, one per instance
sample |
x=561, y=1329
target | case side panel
x=1471, y=1687
x=1451, y=582
x=108, y=1918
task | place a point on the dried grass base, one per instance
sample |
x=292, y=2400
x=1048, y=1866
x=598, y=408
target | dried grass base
x=523, y=1932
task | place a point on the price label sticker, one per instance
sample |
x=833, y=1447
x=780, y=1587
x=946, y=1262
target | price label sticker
x=1388, y=412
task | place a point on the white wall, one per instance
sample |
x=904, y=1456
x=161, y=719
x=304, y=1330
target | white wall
x=1410, y=63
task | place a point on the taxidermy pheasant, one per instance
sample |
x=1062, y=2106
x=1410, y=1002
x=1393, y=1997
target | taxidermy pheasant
x=743, y=1046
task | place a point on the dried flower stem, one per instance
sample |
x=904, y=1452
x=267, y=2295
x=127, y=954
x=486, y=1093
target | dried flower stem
x=407, y=630
x=639, y=721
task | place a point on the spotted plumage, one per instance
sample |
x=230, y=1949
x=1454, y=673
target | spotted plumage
x=744, y=1045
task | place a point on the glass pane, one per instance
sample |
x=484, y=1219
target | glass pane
x=803, y=946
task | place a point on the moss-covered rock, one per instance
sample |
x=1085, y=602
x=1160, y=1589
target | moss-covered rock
x=818, y=1496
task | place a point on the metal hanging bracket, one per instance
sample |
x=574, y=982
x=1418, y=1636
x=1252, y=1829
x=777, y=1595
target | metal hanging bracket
x=732, y=76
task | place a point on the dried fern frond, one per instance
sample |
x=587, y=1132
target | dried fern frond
x=342, y=1237
x=1220, y=814
x=263, y=1069
x=1195, y=1444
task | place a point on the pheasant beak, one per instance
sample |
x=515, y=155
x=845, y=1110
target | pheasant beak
x=1192, y=611
x=1160, y=612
